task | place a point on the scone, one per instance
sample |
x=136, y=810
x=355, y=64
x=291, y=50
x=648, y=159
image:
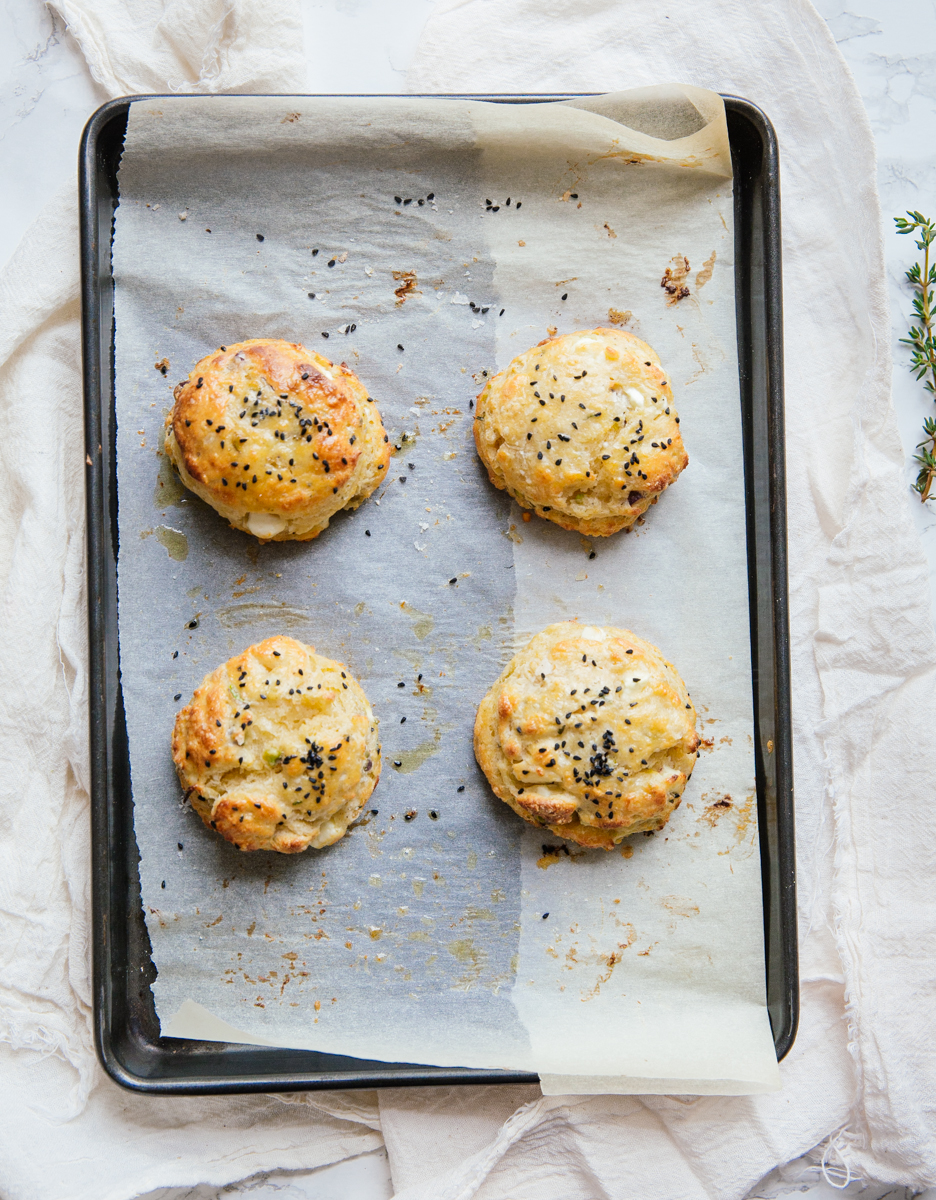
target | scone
x=276, y=438
x=582, y=430
x=278, y=748
x=590, y=733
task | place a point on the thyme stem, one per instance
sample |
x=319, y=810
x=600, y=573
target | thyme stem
x=921, y=339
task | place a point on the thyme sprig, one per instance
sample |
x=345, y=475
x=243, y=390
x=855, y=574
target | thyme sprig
x=922, y=277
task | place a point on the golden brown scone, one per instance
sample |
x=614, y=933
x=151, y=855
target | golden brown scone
x=582, y=430
x=590, y=733
x=278, y=748
x=276, y=438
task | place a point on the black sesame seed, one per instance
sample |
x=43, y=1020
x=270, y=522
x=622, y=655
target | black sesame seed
x=311, y=297
x=367, y=533
x=178, y=696
x=454, y=579
x=260, y=237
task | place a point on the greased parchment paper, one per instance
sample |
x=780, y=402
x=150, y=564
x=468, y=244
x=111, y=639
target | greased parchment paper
x=425, y=242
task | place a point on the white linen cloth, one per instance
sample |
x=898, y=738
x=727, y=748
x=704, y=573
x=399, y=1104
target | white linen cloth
x=864, y=664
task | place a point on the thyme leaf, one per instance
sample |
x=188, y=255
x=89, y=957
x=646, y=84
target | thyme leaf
x=922, y=341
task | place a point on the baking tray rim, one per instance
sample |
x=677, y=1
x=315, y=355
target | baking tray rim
x=105, y=709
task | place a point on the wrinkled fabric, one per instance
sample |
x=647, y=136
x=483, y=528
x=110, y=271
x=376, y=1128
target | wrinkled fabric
x=137, y=46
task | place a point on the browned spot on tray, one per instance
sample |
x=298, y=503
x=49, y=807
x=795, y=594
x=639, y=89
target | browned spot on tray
x=706, y=273
x=627, y=852
x=611, y=233
x=611, y=960
x=618, y=317
x=674, y=279
x=679, y=906
x=407, y=281
x=250, y=928
x=745, y=815
x=290, y=119
x=162, y=366
x=715, y=810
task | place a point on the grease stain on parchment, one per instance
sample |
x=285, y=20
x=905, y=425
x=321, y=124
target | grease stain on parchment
x=679, y=906
x=169, y=490
x=174, y=541
x=407, y=761
x=422, y=622
x=474, y=913
x=236, y=616
x=745, y=826
x=474, y=957
x=705, y=274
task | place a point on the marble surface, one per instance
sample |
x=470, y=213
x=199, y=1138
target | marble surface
x=890, y=46
x=47, y=94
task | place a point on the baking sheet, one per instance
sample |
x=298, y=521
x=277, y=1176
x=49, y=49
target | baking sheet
x=424, y=940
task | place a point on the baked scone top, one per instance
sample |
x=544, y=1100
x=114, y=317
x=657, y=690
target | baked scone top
x=590, y=733
x=582, y=429
x=278, y=748
x=276, y=438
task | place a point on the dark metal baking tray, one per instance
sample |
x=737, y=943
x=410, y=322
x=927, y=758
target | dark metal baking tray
x=126, y=1028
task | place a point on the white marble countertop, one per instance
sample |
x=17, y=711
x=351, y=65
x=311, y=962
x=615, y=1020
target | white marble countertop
x=47, y=94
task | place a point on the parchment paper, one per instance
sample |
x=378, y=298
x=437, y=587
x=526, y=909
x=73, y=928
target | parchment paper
x=386, y=225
